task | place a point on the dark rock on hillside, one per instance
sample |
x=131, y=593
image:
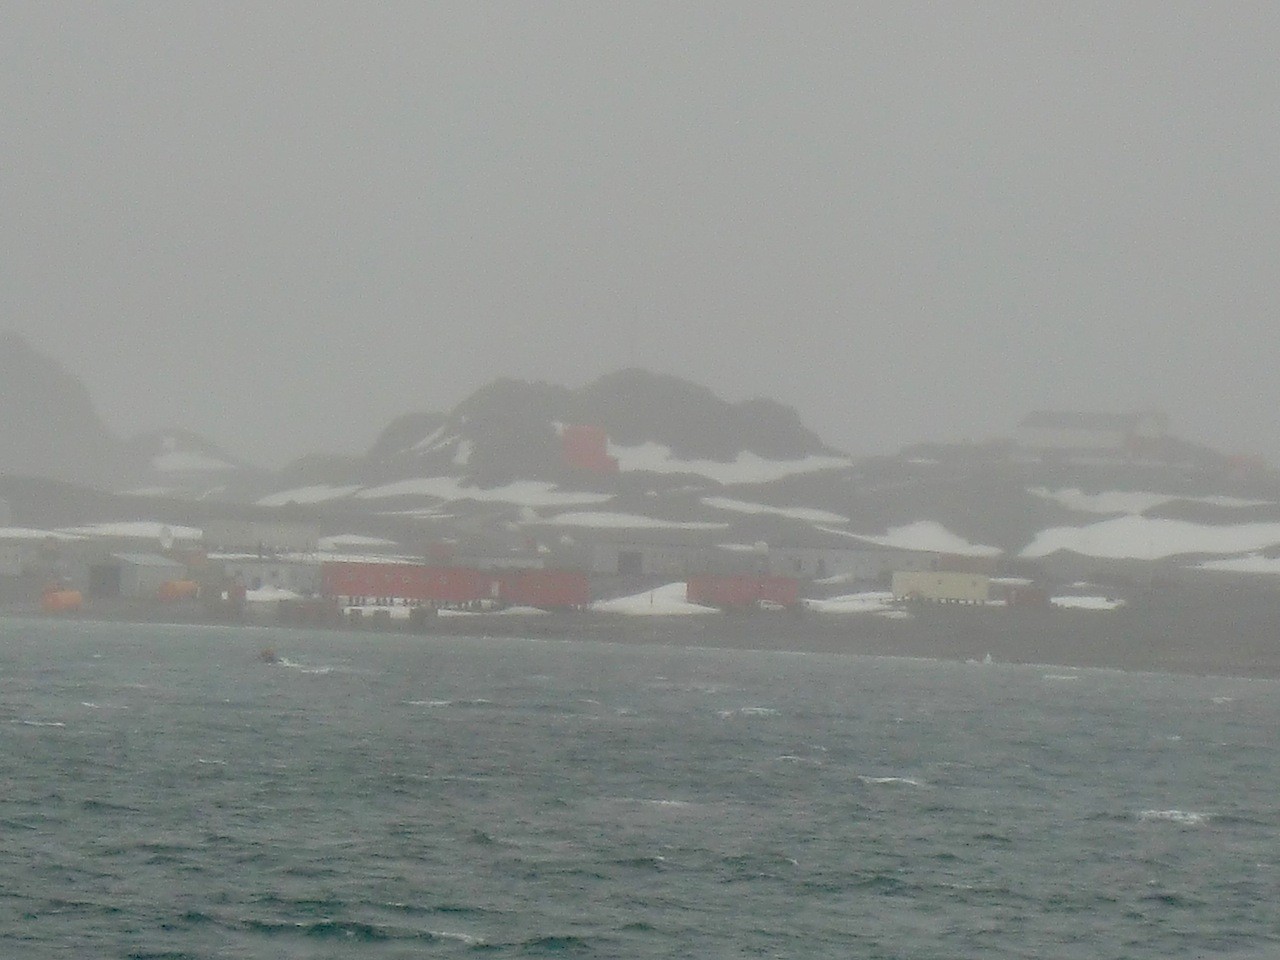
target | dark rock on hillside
x=400, y=436
x=635, y=406
x=508, y=429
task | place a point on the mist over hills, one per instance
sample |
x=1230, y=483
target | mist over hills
x=635, y=454
x=50, y=428
x=48, y=425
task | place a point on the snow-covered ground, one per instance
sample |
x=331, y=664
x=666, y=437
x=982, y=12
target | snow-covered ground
x=1086, y=603
x=1251, y=563
x=317, y=493
x=136, y=529
x=27, y=533
x=429, y=442
x=632, y=521
x=874, y=601
x=806, y=514
x=1149, y=538
x=500, y=612
x=924, y=535
x=526, y=493
x=665, y=601
x=347, y=540
x=270, y=594
x=747, y=467
x=1129, y=501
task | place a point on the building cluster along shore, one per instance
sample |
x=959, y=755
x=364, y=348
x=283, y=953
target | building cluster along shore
x=784, y=576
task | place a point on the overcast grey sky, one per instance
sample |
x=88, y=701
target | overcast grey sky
x=283, y=224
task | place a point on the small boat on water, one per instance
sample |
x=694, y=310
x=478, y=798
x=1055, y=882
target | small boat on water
x=268, y=655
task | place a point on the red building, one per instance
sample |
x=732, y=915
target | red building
x=587, y=448
x=418, y=583
x=546, y=589
x=742, y=590
x=407, y=581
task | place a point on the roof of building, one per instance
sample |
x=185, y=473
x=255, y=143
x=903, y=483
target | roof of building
x=146, y=560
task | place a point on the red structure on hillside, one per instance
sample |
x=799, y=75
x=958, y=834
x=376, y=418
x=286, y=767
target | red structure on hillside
x=587, y=448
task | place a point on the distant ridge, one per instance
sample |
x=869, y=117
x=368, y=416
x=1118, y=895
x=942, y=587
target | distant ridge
x=510, y=428
x=48, y=425
x=50, y=428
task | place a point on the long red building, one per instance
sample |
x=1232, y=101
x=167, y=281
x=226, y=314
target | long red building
x=446, y=585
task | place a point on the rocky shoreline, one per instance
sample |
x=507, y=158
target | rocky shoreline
x=1229, y=631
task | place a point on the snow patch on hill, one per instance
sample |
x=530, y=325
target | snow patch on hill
x=807, y=514
x=1251, y=563
x=1147, y=538
x=429, y=441
x=634, y=521
x=1130, y=501
x=317, y=493
x=924, y=535
x=346, y=540
x=525, y=493
x=136, y=530
x=746, y=468
x=27, y=533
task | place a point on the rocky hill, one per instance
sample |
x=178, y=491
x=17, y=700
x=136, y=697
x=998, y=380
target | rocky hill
x=657, y=459
x=49, y=428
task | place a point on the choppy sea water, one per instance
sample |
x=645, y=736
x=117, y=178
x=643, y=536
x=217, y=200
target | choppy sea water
x=167, y=795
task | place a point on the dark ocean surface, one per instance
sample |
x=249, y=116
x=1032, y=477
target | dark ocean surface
x=165, y=794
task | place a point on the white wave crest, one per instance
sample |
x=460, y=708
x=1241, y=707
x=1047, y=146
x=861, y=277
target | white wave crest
x=885, y=780
x=1188, y=818
x=747, y=712
x=303, y=667
x=464, y=938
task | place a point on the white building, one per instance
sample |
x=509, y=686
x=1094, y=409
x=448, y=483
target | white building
x=1075, y=430
x=301, y=575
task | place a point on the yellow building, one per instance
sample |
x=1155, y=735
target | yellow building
x=941, y=586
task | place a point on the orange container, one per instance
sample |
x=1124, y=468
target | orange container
x=178, y=590
x=61, y=601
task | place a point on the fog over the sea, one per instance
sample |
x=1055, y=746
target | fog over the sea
x=283, y=224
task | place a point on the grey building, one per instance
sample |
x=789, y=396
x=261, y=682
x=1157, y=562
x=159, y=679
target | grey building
x=850, y=563
x=132, y=576
x=1076, y=430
